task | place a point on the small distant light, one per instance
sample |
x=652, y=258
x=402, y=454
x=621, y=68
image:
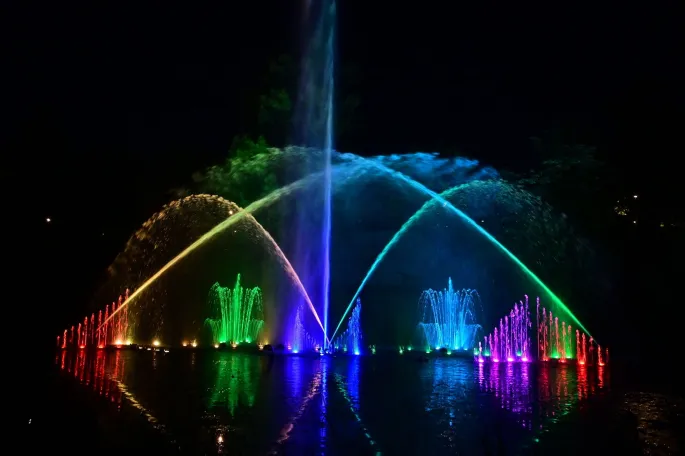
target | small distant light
x=129, y=342
x=155, y=343
x=482, y=221
x=119, y=342
x=48, y=219
x=220, y=439
x=634, y=222
x=634, y=196
x=194, y=344
x=166, y=351
x=184, y=343
x=216, y=345
x=296, y=351
x=356, y=353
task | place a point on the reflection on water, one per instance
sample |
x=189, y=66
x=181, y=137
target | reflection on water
x=227, y=402
x=539, y=396
x=312, y=390
x=234, y=385
x=348, y=387
x=104, y=372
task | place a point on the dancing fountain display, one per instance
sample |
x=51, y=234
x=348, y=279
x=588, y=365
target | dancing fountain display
x=449, y=318
x=346, y=172
x=350, y=341
x=238, y=313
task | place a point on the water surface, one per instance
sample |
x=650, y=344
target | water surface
x=230, y=402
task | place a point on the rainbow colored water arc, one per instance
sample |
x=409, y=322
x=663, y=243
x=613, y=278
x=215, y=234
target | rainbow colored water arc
x=246, y=212
x=441, y=198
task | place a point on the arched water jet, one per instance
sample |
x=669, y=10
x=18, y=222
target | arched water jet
x=234, y=218
x=440, y=198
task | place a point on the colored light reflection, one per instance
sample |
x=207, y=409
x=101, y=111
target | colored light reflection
x=104, y=373
x=234, y=386
x=538, y=395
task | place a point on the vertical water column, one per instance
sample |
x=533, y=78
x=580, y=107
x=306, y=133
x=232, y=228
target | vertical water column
x=313, y=124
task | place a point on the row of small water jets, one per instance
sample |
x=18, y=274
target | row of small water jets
x=100, y=332
x=511, y=341
x=449, y=322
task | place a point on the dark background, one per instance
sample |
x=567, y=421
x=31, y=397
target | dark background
x=112, y=106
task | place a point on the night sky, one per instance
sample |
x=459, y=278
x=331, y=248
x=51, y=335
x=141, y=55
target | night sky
x=115, y=105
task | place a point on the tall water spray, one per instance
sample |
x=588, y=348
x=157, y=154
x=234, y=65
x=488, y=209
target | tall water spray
x=449, y=318
x=314, y=128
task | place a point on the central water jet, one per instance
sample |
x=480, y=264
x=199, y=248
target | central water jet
x=314, y=128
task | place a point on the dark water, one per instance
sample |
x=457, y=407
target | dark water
x=209, y=402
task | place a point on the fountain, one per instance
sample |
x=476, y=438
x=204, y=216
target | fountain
x=511, y=342
x=238, y=313
x=351, y=339
x=448, y=318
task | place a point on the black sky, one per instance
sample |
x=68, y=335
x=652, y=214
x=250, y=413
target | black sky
x=115, y=105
